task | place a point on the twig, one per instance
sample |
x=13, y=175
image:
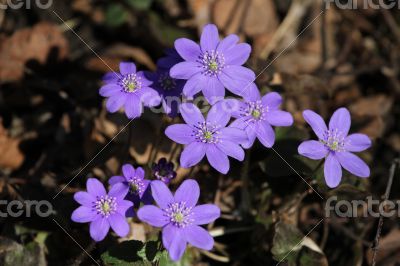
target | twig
x=385, y=198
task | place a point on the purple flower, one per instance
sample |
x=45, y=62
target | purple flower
x=164, y=171
x=130, y=89
x=170, y=89
x=179, y=217
x=102, y=210
x=208, y=137
x=335, y=145
x=137, y=187
x=213, y=65
x=256, y=115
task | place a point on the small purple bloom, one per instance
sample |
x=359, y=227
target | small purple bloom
x=179, y=217
x=210, y=137
x=138, y=187
x=130, y=89
x=335, y=145
x=256, y=115
x=213, y=65
x=102, y=210
x=170, y=89
x=164, y=170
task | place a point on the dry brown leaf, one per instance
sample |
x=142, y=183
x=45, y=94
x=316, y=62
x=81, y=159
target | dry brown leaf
x=10, y=154
x=27, y=44
x=254, y=18
x=117, y=53
x=377, y=105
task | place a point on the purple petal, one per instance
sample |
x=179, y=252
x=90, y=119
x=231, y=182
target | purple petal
x=127, y=68
x=235, y=106
x=111, y=77
x=205, y=213
x=149, y=97
x=237, y=79
x=143, y=75
x=133, y=107
x=233, y=134
x=123, y=206
x=168, y=234
x=217, y=159
x=219, y=115
x=83, y=214
x=231, y=149
x=280, y=118
x=341, y=121
x=199, y=237
x=214, y=90
x=128, y=170
x=161, y=194
x=238, y=55
x=332, y=171
x=251, y=135
x=188, y=192
x=95, y=187
x=187, y=49
x=119, y=190
x=192, y=154
x=84, y=198
x=353, y=164
x=109, y=90
x=357, y=142
x=194, y=85
x=227, y=43
x=140, y=172
x=316, y=122
x=177, y=246
x=265, y=134
x=180, y=133
x=313, y=149
x=119, y=224
x=252, y=93
x=191, y=114
x=116, y=179
x=209, y=38
x=99, y=229
x=273, y=100
x=152, y=215
x=115, y=102
x=185, y=70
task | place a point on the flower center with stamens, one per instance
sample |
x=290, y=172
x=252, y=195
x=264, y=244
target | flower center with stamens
x=166, y=82
x=333, y=140
x=105, y=205
x=178, y=214
x=136, y=186
x=206, y=133
x=130, y=83
x=255, y=110
x=212, y=62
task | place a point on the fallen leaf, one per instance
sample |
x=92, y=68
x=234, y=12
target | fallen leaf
x=10, y=154
x=29, y=44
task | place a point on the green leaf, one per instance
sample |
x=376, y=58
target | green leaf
x=116, y=15
x=140, y=4
x=286, y=242
x=125, y=254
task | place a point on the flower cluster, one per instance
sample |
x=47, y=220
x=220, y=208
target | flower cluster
x=230, y=126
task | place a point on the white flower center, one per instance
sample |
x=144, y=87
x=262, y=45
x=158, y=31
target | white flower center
x=212, y=62
x=178, y=214
x=106, y=205
x=130, y=83
x=206, y=133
